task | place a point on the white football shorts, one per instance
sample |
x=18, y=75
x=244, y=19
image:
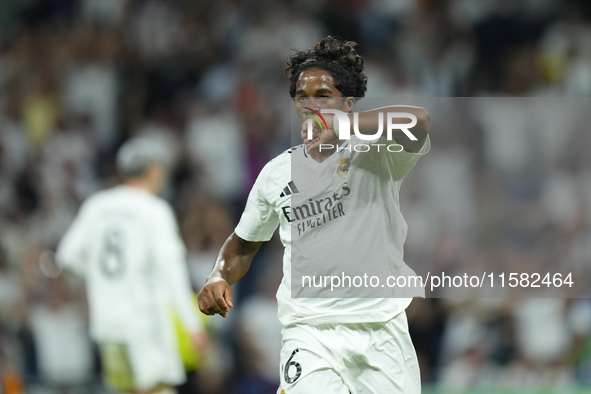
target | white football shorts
x=356, y=358
x=143, y=363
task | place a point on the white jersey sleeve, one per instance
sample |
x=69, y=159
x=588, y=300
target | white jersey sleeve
x=400, y=163
x=259, y=219
x=170, y=256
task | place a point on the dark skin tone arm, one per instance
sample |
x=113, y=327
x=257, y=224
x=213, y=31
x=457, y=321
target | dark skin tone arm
x=232, y=263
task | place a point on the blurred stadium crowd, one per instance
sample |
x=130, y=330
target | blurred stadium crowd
x=79, y=77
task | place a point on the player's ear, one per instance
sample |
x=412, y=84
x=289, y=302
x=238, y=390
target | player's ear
x=348, y=104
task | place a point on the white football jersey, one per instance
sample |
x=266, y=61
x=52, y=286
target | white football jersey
x=341, y=216
x=126, y=244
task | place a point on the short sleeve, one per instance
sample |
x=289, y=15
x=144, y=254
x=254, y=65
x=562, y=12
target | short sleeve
x=259, y=219
x=400, y=163
x=385, y=152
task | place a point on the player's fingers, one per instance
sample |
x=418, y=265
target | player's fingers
x=211, y=299
x=206, y=302
x=304, y=131
x=200, y=303
x=304, y=135
x=312, y=145
x=218, y=293
x=229, y=298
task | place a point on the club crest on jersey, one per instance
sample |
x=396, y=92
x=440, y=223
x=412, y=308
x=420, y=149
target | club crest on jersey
x=343, y=168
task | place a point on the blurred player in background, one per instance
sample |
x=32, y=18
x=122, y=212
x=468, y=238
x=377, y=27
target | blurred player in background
x=332, y=345
x=125, y=243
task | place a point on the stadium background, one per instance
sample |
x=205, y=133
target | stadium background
x=206, y=78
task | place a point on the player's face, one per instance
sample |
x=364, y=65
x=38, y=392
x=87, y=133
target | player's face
x=315, y=89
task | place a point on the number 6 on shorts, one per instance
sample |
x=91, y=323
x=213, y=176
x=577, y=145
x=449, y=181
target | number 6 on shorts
x=288, y=364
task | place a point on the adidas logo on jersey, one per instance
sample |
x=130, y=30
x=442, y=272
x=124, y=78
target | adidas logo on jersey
x=289, y=189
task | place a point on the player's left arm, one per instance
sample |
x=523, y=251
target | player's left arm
x=70, y=253
x=257, y=225
x=232, y=264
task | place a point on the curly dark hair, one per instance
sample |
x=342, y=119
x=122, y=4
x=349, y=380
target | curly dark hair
x=336, y=56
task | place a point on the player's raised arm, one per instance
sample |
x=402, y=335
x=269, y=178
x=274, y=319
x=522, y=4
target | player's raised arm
x=232, y=263
x=368, y=124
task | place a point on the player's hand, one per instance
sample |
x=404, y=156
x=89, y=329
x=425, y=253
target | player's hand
x=319, y=135
x=200, y=342
x=216, y=298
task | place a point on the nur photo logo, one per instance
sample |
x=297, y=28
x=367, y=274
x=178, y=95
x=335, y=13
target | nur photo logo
x=342, y=127
x=315, y=115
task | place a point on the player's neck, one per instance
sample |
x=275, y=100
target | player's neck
x=139, y=184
